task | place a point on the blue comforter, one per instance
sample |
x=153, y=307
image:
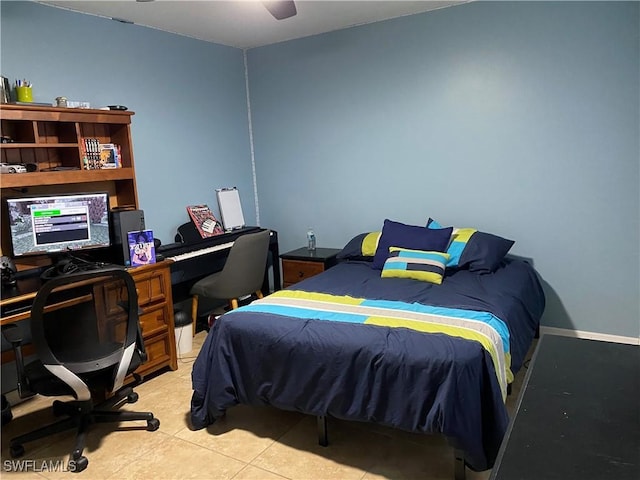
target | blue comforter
x=400, y=377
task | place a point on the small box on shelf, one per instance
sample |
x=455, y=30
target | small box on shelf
x=76, y=104
x=110, y=155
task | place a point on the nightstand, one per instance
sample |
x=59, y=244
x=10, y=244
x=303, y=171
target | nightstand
x=304, y=263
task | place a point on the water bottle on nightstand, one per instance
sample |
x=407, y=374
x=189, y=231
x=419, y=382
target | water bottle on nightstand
x=311, y=240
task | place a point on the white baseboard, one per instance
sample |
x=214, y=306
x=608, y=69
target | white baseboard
x=604, y=337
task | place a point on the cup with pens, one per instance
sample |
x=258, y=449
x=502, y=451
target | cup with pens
x=24, y=91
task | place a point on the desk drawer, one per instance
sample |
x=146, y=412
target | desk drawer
x=151, y=287
x=158, y=354
x=154, y=320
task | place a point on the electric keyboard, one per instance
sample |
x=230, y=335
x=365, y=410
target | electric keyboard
x=200, y=252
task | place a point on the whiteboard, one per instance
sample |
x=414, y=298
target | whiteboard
x=230, y=208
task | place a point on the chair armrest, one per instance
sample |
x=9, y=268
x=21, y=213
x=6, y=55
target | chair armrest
x=12, y=333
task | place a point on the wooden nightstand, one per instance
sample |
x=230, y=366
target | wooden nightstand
x=304, y=263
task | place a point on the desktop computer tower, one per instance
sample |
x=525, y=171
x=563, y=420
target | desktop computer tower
x=123, y=222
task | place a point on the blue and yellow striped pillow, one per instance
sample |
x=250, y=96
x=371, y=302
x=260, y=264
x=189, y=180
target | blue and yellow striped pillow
x=416, y=264
x=480, y=252
x=459, y=239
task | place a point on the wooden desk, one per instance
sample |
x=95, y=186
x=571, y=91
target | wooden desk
x=153, y=283
x=578, y=414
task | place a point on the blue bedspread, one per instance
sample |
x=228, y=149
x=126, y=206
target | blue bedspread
x=400, y=377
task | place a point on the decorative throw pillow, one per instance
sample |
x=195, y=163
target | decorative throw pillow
x=479, y=251
x=360, y=247
x=484, y=252
x=416, y=264
x=409, y=236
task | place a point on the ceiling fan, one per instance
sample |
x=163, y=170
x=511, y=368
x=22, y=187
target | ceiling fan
x=281, y=9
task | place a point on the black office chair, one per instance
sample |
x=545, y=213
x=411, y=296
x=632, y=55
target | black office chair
x=241, y=276
x=87, y=338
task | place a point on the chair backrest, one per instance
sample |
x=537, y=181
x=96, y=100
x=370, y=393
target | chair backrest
x=85, y=329
x=243, y=271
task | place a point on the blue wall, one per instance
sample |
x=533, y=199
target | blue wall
x=520, y=119
x=190, y=130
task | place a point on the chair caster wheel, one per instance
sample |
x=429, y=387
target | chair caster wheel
x=153, y=425
x=16, y=451
x=79, y=464
x=132, y=397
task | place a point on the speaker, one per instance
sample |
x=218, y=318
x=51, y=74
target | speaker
x=123, y=222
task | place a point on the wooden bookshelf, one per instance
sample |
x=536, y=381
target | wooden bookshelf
x=49, y=140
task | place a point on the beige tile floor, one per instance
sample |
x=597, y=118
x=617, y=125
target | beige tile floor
x=247, y=444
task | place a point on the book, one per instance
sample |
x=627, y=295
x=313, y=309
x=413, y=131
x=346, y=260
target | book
x=204, y=220
x=87, y=163
x=142, y=250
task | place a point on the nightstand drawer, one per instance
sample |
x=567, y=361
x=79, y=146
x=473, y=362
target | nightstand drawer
x=296, y=271
x=300, y=264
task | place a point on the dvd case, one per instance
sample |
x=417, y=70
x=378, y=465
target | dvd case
x=142, y=250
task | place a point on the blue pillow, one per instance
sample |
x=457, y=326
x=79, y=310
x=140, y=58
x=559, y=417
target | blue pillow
x=484, y=252
x=479, y=251
x=395, y=234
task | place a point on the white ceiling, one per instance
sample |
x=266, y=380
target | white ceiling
x=247, y=23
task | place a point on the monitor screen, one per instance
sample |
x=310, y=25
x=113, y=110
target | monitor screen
x=58, y=223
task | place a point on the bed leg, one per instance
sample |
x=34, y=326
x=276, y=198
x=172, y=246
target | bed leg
x=322, y=431
x=458, y=466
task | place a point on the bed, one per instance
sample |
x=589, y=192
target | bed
x=354, y=344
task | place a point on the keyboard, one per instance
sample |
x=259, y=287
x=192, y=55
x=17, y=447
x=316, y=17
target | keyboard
x=201, y=251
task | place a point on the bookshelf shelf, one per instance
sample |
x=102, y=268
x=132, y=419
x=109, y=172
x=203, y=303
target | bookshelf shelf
x=64, y=177
x=38, y=145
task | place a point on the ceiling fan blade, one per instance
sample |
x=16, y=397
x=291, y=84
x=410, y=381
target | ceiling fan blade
x=281, y=9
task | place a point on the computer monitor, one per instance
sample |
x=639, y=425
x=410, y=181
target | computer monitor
x=53, y=224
